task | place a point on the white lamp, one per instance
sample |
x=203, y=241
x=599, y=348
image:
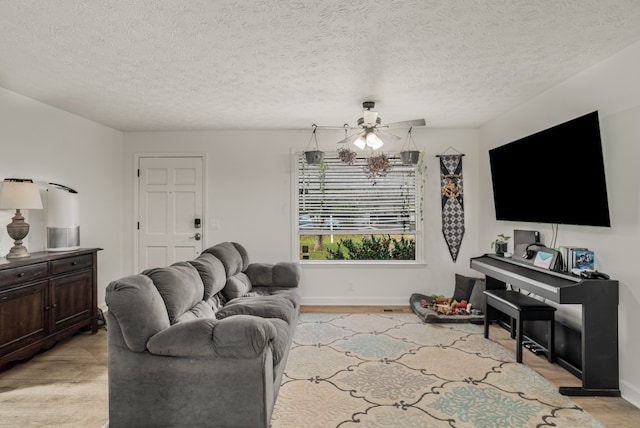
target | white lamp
x=369, y=138
x=19, y=194
x=373, y=140
x=360, y=142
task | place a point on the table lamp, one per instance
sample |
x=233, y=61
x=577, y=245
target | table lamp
x=19, y=194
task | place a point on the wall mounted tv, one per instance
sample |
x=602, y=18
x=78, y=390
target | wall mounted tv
x=553, y=176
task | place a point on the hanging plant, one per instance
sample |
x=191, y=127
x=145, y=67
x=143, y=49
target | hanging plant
x=410, y=157
x=421, y=169
x=377, y=167
x=409, y=153
x=313, y=157
x=347, y=155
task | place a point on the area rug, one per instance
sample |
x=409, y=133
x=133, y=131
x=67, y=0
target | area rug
x=391, y=370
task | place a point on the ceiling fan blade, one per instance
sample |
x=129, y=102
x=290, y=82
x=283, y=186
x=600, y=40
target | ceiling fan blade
x=350, y=138
x=406, y=124
x=387, y=135
x=345, y=126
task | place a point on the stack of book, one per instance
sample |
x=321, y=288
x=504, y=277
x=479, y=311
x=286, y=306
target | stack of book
x=577, y=258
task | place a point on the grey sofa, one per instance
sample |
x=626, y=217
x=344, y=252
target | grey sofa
x=200, y=343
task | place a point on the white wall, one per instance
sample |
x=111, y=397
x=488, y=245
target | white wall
x=50, y=145
x=612, y=88
x=250, y=195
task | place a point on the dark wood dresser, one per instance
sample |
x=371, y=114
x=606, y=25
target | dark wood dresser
x=46, y=298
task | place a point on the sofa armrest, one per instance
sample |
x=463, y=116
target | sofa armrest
x=241, y=336
x=282, y=274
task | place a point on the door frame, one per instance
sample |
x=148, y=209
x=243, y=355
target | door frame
x=136, y=196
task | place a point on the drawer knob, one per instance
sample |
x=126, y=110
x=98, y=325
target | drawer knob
x=74, y=263
x=21, y=274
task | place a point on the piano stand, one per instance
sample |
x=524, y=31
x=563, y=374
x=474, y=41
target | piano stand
x=599, y=330
x=578, y=391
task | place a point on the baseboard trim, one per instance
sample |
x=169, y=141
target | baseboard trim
x=630, y=393
x=355, y=309
x=355, y=301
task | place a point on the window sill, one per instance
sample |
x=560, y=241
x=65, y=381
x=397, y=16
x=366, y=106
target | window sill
x=363, y=263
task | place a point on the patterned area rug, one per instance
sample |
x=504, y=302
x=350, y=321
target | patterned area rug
x=392, y=371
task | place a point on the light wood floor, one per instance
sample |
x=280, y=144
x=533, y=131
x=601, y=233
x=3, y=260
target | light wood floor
x=66, y=386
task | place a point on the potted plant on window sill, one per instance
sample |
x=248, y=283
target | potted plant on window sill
x=500, y=244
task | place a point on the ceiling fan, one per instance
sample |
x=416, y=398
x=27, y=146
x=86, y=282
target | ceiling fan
x=370, y=128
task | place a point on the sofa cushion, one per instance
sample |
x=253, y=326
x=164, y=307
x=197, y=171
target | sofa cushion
x=264, y=307
x=211, y=272
x=180, y=287
x=282, y=274
x=216, y=302
x=286, y=274
x=280, y=343
x=238, y=285
x=139, y=309
x=291, y=294
x=243, y=253
x=201, y=310
x=242, y=337
x=230, y=256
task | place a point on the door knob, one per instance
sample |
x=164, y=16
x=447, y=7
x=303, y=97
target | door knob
x=197, y=236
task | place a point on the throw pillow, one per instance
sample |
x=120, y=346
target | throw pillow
x=463, y=288
x=477, y=298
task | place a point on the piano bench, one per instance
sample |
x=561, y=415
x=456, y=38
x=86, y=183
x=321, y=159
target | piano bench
x=520, y=308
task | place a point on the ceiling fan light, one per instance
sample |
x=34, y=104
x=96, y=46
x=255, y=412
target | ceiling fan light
x=377, y=144
x=360, y=143
x=374, y=141
x=370, y=117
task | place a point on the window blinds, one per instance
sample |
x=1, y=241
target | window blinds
x=339, y=198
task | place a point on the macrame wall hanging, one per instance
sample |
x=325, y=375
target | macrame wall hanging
x=452, y=201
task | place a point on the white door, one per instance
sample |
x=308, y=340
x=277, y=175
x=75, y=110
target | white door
x=170, y=195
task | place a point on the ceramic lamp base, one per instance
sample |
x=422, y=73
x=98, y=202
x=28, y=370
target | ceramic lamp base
x=18, y=229
x=18, y=251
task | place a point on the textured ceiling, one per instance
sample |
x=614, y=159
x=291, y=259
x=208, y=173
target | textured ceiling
x=269, y=64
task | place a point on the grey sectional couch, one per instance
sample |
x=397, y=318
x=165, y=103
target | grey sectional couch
x=200, y=343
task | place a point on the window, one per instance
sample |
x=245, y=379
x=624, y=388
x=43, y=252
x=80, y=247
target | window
x=345, y=213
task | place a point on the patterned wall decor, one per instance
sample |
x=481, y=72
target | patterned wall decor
x=452, y=202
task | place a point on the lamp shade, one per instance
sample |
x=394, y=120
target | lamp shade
x=20, y=194
x=360, y=142
x=374, y=141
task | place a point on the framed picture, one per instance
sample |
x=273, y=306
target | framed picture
x=545, y=259
x=583, y=259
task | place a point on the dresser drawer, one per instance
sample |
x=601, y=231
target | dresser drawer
x=71, y=264
x=23, y=274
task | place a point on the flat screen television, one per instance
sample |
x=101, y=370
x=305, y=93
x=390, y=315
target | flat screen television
x=553, y=176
